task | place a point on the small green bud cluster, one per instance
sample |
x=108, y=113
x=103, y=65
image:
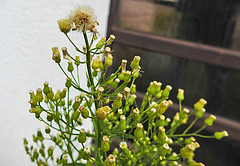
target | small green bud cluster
x=145, y=135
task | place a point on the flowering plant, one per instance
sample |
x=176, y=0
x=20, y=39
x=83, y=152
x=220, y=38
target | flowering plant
x=143, y=134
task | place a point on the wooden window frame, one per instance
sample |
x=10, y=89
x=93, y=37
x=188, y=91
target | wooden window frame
x=188, y=50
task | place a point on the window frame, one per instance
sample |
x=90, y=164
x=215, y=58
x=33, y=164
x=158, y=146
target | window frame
x=179, y=48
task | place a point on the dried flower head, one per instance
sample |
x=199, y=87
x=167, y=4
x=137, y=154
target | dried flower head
x=83, y=19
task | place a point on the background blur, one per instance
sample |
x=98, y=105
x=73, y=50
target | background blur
x=28, y=31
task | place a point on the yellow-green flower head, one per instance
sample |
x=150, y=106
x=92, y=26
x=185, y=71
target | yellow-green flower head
x=103, y=112
x=83, y=19
x=64, y=26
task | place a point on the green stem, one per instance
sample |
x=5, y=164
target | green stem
x=78, y=76
x=73, y=83
x=192, y=134
x=190, y=126
x=199, y=130
x=97, y=125
x=88, y=61
x=74, y=45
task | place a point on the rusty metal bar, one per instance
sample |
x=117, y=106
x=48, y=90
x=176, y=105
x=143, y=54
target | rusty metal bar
x=173, y=47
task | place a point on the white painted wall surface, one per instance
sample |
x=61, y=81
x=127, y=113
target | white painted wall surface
x=28, y=30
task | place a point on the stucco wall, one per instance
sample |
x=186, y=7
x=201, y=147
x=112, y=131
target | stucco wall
x=28, y=30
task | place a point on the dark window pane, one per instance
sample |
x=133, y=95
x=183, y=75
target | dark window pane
x=212, y=22
x=219, y=86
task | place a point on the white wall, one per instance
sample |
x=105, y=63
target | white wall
x=28, y=30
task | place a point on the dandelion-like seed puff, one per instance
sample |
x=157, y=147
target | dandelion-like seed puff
x=83, y=19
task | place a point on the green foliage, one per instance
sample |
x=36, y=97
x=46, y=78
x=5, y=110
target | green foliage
x=143, y=134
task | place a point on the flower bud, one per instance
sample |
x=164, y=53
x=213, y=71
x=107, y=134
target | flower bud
x=77, y=60
x=84, y=111
x=56, y=55
x=220, y=135
x=209, y=120
x=25, y=142
x=39, y=133
x=157, y=86
x=45, y=88
x=64, y=26
x=68, y=83
x=65, y=53
x=117, y=102
x=110, y=39
x=49, y=117
x=41, y=151
x=133, y=89
x=138, y=131
x=103, y=112
x=180, y=95
x=162, y=107
x=57, y=95
x=82, y=136
x=35, y=154
x=189, y=140
x=122, y=75
x=75, y=114
x=95, y=64
x=151, y=89
x=105, y=144
x=50, y=94
x=101, y=42
x=126, y=91
x=200, y=113
x=166, y=91
x=161, y=134
x=115, y=83
x=196, y=145
x=76, y=104
x=63, y=93
x=37, y=110
x=200, y=104
x=39, y=95
x=122, y=124
x=187, y=151
x=124, y=64
x=163, y=150
x=47, y=130
x=85, y=153
x=110, y=161
x=31, y=93
x=107, y=50
x=79, y=121
x=161, y=121
x=127, y=76
x=135, y=63
x=64, y=160
x=70, y=66
x=108, y=60
x=131, y=99
x=100, y=92
x=184, y=113
x=136, y=115
x=33, y=103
